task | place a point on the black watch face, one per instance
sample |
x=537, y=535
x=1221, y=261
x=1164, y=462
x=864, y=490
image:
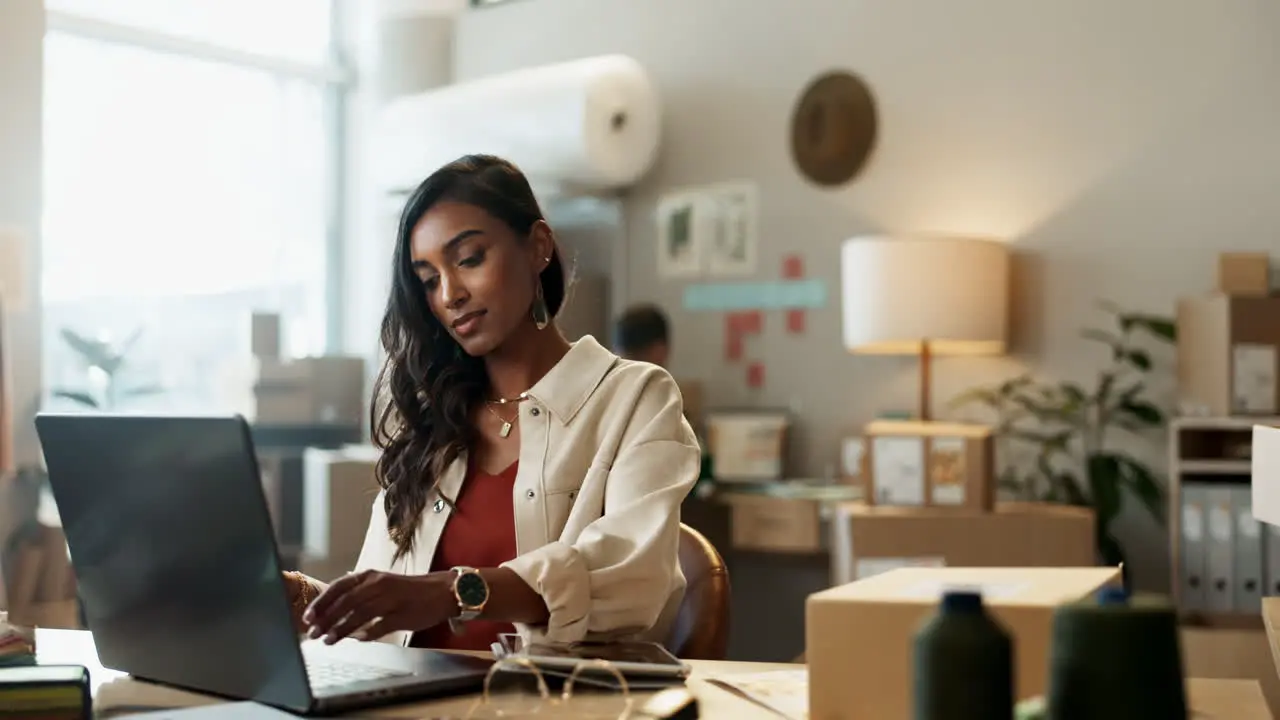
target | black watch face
x=472, y=590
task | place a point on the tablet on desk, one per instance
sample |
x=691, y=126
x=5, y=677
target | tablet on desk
x=631, y=658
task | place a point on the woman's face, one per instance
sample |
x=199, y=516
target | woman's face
x=479, y=278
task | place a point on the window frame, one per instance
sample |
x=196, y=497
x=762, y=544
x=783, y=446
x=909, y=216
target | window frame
x=335, y=78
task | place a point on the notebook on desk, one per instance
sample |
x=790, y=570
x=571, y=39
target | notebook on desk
x=180, y=576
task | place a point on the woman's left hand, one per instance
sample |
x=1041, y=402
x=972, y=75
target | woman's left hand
x=389, y=601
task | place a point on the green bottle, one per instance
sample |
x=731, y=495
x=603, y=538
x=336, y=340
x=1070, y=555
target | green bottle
x=963, y=663
x=1116, y=657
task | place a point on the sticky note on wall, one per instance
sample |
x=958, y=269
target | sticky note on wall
x=777, y=295
x=13, y=268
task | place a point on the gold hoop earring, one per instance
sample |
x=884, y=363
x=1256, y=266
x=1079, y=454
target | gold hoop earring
x=541, y=318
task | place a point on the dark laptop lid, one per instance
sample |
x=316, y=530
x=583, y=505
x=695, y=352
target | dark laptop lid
x=174, y=552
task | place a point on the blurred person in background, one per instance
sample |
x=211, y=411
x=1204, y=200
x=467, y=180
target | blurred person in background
x=528, y=484
x=642, y=333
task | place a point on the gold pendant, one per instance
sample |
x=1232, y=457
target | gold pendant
x=506, y=429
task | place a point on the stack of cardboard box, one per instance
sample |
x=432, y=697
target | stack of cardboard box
x=1229, y=342
x=929, y=500
x=320, y=390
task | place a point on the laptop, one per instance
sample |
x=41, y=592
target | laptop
x=179, y=573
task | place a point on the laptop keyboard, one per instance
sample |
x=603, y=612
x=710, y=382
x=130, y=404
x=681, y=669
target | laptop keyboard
x=329, y=673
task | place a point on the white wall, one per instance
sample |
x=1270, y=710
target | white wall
x=21, y=78
x=1120, y=144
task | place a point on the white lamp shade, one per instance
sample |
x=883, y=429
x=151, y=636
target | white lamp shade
x=899, y=292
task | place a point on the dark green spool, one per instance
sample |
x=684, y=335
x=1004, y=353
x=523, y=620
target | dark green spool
x=1116, y=659
x=963, y=664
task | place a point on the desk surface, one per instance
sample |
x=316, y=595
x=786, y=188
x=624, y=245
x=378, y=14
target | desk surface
x=1212, y=699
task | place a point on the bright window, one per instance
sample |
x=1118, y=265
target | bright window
x=181, y=195
x=292, y=29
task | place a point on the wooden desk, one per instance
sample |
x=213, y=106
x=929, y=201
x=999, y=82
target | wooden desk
x=1212, y=699
x=114, y=691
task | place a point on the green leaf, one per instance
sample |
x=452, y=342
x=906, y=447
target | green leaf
x=982, y=396
x=1074, y=393
x=1161, y=327
x=1106, y=383
x=1069, y=486
x=1142, y=412
x=1142, y=482
x=143, y=390
x=1109, y=548
x=1131, y=392
x=1138, y=358
x=1104, y=337
x=1008, y=387
x=1106, y=477
x=1049, y=407
x=76, y=396
x=94, y=352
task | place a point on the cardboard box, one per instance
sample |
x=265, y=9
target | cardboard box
x=1244, y=273
x=870, y=540
x=930, y=464
x=859, y=636
x=772, y=524
x=310, y=391
x=1229, y=355
x=338, y=491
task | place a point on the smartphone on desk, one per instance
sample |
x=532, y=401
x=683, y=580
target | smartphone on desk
x=632, y=658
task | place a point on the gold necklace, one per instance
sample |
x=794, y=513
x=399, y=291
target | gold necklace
x=505, y=430
x=507, y=401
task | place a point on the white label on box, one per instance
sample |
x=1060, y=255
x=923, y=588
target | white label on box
x=1220, y=523
x=898, y=470
x=869, y=567
x=1247, y=524
x=1253, y=378
x=1192, y=523
x=851, y=452
x=934, y=589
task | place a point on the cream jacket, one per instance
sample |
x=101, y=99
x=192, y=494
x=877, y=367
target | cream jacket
x=606, y=458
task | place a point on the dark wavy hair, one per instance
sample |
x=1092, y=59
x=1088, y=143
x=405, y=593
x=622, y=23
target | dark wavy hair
x=428, y=387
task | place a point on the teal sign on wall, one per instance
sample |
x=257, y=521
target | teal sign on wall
x=772, y=295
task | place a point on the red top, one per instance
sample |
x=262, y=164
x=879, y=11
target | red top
x=480, y=533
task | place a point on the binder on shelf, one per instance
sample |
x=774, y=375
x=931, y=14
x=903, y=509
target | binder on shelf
x=1248, y=552
x=1193, y=576
x=1220, y=553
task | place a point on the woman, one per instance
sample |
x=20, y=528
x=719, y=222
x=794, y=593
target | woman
x=527, y=483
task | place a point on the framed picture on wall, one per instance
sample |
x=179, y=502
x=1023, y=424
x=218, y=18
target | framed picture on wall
x=748, y=445
x=681, y=235
x=733, y=212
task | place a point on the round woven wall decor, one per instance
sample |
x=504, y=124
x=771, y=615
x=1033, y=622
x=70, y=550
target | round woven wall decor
x=833, y=128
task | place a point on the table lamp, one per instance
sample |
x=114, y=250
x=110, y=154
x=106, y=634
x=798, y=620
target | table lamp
x=925, y=296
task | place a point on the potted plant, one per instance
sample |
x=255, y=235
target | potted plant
x=1070, y=432
x=105, y=363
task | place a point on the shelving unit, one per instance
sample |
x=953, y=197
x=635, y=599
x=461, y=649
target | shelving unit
x=1213, y=452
